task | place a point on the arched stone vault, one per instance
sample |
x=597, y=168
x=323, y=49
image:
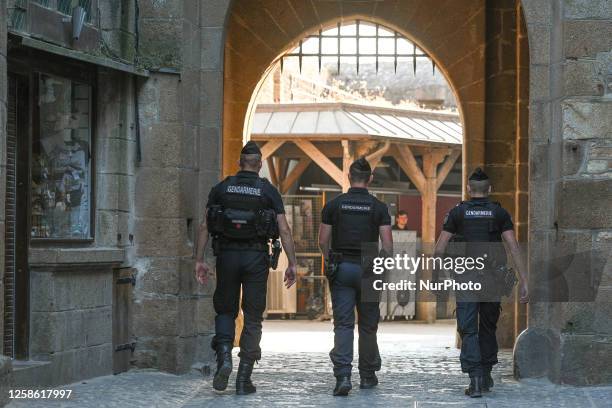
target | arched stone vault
x=258, y=32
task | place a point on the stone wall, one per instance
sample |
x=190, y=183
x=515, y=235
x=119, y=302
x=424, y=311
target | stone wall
x=571, y=173
x=70, y=323
x=584, y=221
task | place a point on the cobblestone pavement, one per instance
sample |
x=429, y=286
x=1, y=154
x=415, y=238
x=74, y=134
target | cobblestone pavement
x=420, y=370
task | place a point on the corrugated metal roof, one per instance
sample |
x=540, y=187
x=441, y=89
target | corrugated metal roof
x=333, y=120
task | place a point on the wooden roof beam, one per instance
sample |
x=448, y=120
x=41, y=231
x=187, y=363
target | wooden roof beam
x=447, y=166
x=376, y=157
x=269, y=148
x=295, y=174
x=404, y=157
x=321, y=160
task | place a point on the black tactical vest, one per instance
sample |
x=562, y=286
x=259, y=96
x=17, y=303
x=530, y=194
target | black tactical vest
x=479, y=228
x=354, y=225
x=242, y=201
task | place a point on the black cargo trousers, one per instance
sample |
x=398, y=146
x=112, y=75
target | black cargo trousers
x=350, y=290
x=477, y=316
x=477, y=324
x=236, y=268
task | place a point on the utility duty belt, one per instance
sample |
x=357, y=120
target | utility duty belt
x=220, y=244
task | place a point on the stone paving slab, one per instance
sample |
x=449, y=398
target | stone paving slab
x=421, y=373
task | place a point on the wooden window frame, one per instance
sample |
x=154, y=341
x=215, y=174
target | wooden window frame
x=32, y=63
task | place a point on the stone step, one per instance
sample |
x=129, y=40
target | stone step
x=29, y=373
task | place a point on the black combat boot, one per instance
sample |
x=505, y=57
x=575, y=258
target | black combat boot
x=475, y=388
x=368, y=380
x=224, y=366
x=343, y=386
x=244, y=386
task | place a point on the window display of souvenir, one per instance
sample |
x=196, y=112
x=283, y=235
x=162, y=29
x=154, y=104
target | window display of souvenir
x=61, y=156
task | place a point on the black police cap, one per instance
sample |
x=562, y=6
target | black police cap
x=250, y=148
x=361, y=165
x=479, y=175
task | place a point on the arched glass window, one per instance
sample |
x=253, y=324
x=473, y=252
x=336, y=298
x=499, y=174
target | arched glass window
x=357, y=43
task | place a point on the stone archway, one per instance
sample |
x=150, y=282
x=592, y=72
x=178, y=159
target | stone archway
x=258, y=33
x=482, y=51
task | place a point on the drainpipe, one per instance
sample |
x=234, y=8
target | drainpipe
x=135, y=83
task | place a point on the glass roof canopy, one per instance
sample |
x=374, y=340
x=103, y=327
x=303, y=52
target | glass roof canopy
x=336, y=121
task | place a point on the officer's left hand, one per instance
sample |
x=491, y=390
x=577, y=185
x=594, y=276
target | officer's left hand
x=290, y=273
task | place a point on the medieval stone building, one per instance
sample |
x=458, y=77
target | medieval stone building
x=116, y=118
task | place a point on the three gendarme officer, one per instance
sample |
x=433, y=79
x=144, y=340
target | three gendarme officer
x=244, y=212
x=481, y=225
x=348, y=222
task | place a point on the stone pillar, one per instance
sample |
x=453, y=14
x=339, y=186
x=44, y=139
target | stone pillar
x=211, y=145
x=521, y=195
x=501, y=124
x=570, y=341
x=180, y=109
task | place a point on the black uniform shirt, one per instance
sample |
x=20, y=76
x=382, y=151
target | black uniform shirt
x=269, y=191
x=349, y=241
x=381, y=213
x=452, y=219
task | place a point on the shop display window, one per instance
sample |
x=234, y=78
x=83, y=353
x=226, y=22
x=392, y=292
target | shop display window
x=61, y=160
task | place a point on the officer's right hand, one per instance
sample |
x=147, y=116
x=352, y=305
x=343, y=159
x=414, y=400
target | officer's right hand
x=290, y=274
x=202, y=272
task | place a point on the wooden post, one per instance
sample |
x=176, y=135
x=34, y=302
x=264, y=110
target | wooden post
x=430, y=167
x=348, y=157
x=429, y=201
x=428, y=182
x=282, y=165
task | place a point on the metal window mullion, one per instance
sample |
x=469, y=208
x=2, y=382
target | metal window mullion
x=414, y=57
x=300, y=56
x=320, y=49
x=358, y=41
x=377, y=40
x=339, y=51
x=358, y=55
x=395, y=52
